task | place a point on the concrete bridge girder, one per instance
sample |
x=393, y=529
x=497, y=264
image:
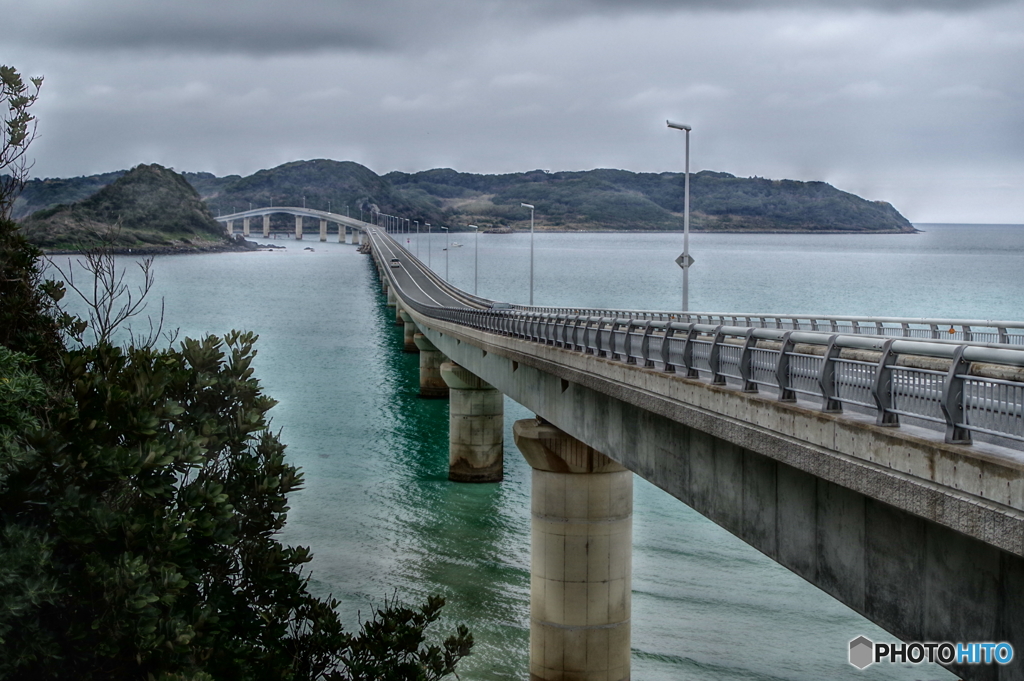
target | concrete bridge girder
x=896, y=527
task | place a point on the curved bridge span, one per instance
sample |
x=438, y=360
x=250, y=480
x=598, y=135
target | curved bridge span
x=342, y=221
x=883, y=464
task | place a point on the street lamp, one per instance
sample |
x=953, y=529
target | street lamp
x=447, y=245
x=526, y=205
x=417, y=237
x=476, y=255
x=684, y=260
x=428, y=244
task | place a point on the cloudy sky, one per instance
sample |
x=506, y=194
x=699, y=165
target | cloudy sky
x=916, y=102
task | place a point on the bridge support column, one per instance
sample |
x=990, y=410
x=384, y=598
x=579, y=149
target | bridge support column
x=476, y=427
x=392, y=300
x=341, y=233
x=231, y=227
x=410, y=331
x=431, y=359
x=323, y=230
x=399, y=321
x=266, y=226
x=245, y=226
x=298, y=227
x=580, y=557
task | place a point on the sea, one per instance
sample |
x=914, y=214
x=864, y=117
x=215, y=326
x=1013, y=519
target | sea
x=380, y=515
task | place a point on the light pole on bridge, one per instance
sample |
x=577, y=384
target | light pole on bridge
x=684, y=259
x=428, y=244
x=417, y=237
x=530, y=206
x=476, y=255
x=447, y=247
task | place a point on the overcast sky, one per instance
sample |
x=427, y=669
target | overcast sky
x=915, y=102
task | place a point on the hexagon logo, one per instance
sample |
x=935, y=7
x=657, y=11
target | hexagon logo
x=862, y=652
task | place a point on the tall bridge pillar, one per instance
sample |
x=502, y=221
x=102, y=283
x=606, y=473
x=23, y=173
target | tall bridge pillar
x=230, y=227
x=431, y=383
x=266, y=226
x=476, y=427
x=341, y=233
x=323, y=230
x=392, y=300
x=245, y=226
x=410, y=331
x=580, y=557
x=298, y=227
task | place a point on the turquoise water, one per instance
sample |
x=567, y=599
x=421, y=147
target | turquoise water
x=381, y=516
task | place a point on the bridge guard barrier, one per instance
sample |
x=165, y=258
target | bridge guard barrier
x=580, y=557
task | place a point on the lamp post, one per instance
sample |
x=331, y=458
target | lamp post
x=417, y=237
x=685, y=260
x=447, y=245
x=527, y=205
x=428, y=244
x=476, y=255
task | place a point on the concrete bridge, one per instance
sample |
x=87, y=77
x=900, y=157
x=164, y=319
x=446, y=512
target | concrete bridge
x=882, y=463
x=355, y=227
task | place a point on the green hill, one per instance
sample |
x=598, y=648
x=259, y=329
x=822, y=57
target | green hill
x=601, y=199
x=149, y=208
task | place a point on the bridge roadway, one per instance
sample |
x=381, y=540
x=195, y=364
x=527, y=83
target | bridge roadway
x=898, y=513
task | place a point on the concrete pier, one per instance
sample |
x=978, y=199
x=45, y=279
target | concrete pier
x=245, y=226
x=266, y=226
x=323, y=230
x=230, y=227
x=410, y=331
x=580, y=558
x=341, y=233
x=298, y=227
x=431, y=359
x=392, y=301
x=476, y=427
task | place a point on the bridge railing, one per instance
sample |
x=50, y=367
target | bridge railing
x=961, y=388
x=964, y=389
x=957, y=330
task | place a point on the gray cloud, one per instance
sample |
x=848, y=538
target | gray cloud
x=920, y=108
x=309, y=26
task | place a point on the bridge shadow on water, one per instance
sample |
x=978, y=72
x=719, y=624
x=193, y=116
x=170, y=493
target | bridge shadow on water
x=467, y=542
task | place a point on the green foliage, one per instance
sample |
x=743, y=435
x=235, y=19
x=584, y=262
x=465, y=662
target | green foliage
x=17, y=130
x=146, y=513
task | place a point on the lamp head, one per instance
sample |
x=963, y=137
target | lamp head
x=526, y=205
x=679, y=126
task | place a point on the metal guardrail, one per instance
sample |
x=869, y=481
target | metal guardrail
x=963, y=388
x=956, y=330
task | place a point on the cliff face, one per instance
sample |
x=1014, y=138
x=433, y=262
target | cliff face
x=148, y=208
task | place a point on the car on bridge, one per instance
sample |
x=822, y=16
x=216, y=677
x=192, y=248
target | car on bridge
x=395, y=262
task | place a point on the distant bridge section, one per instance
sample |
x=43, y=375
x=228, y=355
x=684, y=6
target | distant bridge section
x=354, y=226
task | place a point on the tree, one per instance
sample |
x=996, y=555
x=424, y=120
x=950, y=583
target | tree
x=19, y=129
x=141, y=493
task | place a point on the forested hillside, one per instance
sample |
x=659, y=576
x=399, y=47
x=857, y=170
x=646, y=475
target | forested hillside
x=579, y=200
